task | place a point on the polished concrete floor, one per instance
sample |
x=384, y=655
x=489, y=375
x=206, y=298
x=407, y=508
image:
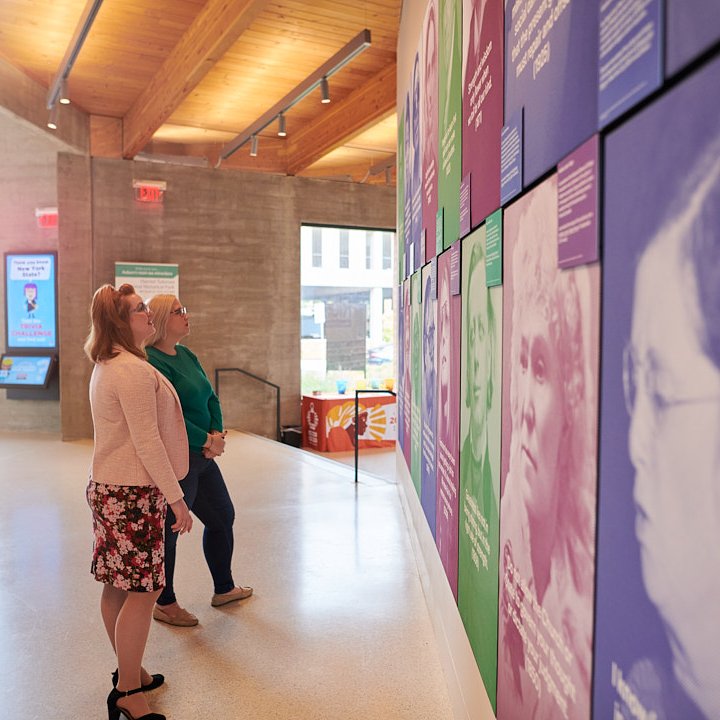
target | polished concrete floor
x=337, y=629
x=379, y=462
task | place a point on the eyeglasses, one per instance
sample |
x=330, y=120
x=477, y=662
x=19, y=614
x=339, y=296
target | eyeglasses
x=142, y=307
x=646, y=375
x=181, y=311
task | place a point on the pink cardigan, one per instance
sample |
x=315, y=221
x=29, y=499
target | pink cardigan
x=140, y=436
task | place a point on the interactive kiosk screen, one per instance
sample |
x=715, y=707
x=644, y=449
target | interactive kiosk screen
x=25, y=371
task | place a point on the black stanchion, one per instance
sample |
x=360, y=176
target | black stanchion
x=357, y=394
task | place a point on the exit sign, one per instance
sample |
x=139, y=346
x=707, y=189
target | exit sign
x=149, y=191
x=47, y=217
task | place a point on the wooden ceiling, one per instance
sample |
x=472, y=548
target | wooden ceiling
x=184, y=77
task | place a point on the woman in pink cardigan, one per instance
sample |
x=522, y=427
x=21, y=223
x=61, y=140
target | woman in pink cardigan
x=141, y=451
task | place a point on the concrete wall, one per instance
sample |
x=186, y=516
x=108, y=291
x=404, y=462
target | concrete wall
x=28, y=180
x=236, y=238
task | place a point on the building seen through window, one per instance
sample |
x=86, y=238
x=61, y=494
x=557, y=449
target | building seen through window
x=346, y=307
x=317, y=247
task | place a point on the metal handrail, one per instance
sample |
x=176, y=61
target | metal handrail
x=259, y=379
x=357, y=393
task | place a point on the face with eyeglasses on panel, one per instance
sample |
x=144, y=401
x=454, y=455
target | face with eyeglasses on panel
x=671, y=377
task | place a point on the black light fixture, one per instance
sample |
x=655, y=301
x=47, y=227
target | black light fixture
x=253, y=146
x=282, y=130
x=64, y=98
x=320, y=77
x=56, y=91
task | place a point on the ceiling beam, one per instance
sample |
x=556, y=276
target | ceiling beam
x=364, y=107
x=217, y=27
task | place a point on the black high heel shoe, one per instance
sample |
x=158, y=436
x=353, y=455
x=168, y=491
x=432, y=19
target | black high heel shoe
x=114, y=711
x=156, y=682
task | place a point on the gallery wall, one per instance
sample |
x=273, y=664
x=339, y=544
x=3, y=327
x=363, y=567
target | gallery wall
x=236, y=239
x=559, y=370
x=235, y=236
x=28, y=180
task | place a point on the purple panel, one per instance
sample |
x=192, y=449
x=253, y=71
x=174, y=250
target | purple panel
x=578, y=205
x=428, y=477
x=448, y=419
x=408, y=190
x=482, y=83
x=416, y=135
x=430, y=127
x=692, y=27
x=630, y=55
x=659, y=521
x=551, y=72
x=511, y=168
x=405, y=386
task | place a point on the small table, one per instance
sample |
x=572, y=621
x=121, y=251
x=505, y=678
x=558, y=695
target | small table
x=328, y=421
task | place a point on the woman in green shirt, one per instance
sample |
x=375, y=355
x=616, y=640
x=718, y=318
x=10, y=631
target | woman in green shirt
x=204, y=486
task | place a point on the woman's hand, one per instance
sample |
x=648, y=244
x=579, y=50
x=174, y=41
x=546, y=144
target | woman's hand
x=183, y=520
x=215, y=445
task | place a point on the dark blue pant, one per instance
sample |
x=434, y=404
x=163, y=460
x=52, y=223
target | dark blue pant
x=207, y=496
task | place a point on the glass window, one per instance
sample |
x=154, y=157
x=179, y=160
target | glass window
x=368, y=250
x=387, y=250
x=316, y=247
x=344, y=248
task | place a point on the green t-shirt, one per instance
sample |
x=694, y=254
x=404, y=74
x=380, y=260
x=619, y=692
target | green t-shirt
x=200, y=404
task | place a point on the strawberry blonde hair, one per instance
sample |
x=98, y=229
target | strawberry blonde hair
x=110, y=324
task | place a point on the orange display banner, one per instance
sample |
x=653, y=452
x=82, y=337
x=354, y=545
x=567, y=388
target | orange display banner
x=328, y=422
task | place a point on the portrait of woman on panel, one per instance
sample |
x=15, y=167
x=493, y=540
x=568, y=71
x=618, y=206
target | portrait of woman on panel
x=429, y=348
x=430, y=126
x=480, y=458
x=659, y=514
x=672, y=388
x=547, y=515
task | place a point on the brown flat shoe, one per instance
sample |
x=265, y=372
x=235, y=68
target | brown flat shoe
x=237, y=593
x=181, y=618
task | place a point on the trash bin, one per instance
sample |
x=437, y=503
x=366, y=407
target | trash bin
x=292, y=435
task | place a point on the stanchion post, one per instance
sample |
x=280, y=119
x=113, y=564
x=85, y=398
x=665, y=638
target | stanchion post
x=357, y=439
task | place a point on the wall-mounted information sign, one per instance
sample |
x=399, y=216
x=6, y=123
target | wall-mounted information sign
x=148, y=279
x=31, y=301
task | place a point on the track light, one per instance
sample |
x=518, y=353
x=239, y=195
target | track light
x=64, y=97
x=325, y=90
x=253, y=146
x=319, y=77
x=52, y=122
x=282, y=130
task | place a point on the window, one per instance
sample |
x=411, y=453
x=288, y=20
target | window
x=316, y=247
x=346, y=317
x=344, y=248
x=387, y=251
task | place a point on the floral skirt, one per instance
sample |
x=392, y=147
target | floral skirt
x=129, y=527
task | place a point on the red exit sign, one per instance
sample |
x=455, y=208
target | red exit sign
x=47, y=217
x=149, y=191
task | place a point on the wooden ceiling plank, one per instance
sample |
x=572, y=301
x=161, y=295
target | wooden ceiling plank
x=217, y=27
x=365, y=106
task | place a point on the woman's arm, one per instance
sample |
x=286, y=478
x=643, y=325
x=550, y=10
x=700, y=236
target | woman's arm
x=136, y=392
x=216, y=419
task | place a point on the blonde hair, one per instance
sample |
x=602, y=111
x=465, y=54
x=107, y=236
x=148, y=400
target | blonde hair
x=160, y=306
x=110, y=324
